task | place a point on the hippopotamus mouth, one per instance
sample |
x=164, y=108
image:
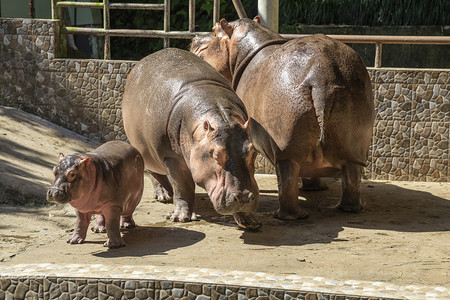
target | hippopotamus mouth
x=228, y=202
x=58, y=195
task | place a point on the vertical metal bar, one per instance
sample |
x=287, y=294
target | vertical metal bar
x=378, y=51
x=216, y=11
x=166, y=22
x=54, y=10
x=240, y=9
x=191, y=15
x=106, y=25
x=32, y=9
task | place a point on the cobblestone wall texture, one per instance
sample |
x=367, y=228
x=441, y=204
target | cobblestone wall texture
x=73, y=288
x=411, y=133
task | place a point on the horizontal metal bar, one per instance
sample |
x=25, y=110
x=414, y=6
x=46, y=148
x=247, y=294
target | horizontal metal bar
x=363, y=39
x=144, y=6
x=79, y=4
x=132, y=32
x=383, y=39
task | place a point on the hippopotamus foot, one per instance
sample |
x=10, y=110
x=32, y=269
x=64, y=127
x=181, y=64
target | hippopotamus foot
x=162, y=187
x=351, y=188
x=351, y=207
x=76, y=239
x=247, y=221
x=312, y=185
x=161, y=195
x=112, y=244
x=127, y=222
x=291, y=214
x=99, y=224
x=182, y=216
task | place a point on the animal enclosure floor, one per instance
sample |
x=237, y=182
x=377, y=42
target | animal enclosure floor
x=402, y=237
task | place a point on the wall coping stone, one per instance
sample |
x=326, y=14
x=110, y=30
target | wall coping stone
x=205, y=276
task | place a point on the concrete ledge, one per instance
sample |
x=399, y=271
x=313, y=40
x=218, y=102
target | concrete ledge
x=79, y=281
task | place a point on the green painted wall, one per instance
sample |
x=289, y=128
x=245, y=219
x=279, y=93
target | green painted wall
x=20, y=9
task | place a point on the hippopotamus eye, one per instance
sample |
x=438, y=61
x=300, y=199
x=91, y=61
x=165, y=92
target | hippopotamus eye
x=71, y=176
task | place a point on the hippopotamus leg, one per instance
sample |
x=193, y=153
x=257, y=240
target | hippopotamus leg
x=99, y=224
x=162, y=187
x=312, y=184
x=351, y=188
x=81, y=226
x=287, y=174
x=112, y=221
x=183, y=191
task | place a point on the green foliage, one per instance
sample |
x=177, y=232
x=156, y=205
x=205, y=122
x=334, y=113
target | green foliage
x=363, y=13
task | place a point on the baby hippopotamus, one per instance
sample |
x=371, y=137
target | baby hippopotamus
x=188, y=123
x=107, y=181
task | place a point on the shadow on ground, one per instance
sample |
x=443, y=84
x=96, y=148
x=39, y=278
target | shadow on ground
x=388, y=207
x=148, y=240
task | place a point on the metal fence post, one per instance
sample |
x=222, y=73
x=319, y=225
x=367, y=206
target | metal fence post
x=106, y=25
x=191, y=15
x=166, y=22
x=378, y=51
x=216, y=11
x=268, y=12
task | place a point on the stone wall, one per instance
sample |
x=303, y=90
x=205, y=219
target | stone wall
x=411, y=134
x=105, y=289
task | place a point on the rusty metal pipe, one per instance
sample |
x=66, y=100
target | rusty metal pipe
x=191, y=15
x=384, y=39
x=216, y=11
x=239, y=9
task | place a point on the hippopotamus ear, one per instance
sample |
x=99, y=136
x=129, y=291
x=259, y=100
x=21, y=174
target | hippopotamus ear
x=84, y=160
x=202, y=130
x=226, y=27
x=244, y=124
x=257, y=19
x=61, y=156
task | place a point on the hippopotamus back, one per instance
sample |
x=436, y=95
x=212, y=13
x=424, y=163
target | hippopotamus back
x=315, y=90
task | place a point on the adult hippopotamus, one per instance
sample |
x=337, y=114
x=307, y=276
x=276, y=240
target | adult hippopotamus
x=311, y=99
x=188, y=123
x=107, y=181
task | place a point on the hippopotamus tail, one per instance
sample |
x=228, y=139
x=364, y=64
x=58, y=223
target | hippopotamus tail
x=323, y=100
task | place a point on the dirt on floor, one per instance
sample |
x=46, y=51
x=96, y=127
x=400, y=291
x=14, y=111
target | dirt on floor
x=403, y=235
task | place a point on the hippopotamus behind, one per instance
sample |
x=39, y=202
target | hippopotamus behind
x=107, y=181
x=310, y=98
x=188, y=123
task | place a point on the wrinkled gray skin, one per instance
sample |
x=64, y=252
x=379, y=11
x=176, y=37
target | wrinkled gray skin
x=188, y=123
x=310, y=98
x=108, y=182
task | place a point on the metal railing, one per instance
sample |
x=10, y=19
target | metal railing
x=167, y=34
x=379, y=40
x=107, y=32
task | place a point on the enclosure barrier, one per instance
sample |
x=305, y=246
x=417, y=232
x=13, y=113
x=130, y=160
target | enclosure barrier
x=166, y=34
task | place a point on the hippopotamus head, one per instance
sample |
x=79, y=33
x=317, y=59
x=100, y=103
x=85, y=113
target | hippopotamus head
x=222, y=162
x=69, y=177
x=229, y=43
